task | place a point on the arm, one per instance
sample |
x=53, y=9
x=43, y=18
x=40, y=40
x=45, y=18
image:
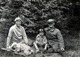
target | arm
x=61, y=41
x=38, y=38
x=45, y=46
x=9, y=37
x=36, y=42
x=25, y=36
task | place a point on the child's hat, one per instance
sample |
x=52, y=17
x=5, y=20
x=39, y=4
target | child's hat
x=40, y=30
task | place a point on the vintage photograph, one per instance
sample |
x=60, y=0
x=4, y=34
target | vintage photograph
x=39, y=28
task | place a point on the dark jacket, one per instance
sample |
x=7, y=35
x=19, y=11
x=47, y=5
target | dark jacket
x=53, y=34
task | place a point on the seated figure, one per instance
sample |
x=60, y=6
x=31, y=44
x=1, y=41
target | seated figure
x=41, y=41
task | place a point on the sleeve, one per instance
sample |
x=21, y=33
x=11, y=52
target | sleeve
x=60, y=38
x=9, y=36
x=10, y=33
x=37, y=38
x=46, y=29
x=25, y=36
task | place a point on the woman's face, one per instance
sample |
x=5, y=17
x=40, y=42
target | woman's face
x=18, y=22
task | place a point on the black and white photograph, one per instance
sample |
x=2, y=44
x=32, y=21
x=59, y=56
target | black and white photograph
x=39, y=28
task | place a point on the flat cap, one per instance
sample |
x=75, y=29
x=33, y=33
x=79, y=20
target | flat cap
x=51, y=20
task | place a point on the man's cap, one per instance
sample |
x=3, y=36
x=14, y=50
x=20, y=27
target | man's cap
x=51, y=20
x=18, y=19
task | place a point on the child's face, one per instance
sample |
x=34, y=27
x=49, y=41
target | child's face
x=41, y=33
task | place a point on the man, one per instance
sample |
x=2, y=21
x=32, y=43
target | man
x=54, y=36
x=17, y=33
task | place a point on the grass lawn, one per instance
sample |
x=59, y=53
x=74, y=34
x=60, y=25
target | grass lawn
x=72, y=48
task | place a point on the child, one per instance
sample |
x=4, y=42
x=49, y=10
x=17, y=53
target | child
x=40, y=41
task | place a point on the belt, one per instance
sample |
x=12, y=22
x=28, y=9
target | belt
x=55, y=40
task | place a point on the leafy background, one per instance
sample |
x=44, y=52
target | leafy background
x=35, y=15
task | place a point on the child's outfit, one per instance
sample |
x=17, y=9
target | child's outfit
x=40, y=42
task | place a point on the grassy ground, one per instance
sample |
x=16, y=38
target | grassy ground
x=72, y=48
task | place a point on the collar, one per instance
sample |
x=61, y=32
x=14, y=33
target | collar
x=51, y=29
x=17, y=26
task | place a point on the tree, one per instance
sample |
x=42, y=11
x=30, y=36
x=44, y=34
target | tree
x=36, y=13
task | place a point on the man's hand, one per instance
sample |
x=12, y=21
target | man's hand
x=62, y=49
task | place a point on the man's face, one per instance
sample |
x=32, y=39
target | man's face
x=18, y=22
x=51, y=25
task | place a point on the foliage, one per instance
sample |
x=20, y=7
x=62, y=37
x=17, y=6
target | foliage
x=36, y=13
